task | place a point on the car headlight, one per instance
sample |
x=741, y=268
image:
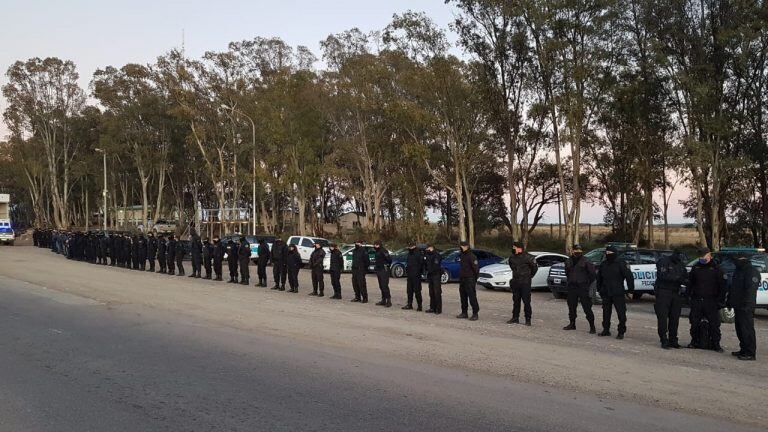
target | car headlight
x=503, y=273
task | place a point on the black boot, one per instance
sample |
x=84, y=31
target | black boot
x=571, y=326
x=418, y=308
x=605, y=332
x=592, y=329
x=407, y=307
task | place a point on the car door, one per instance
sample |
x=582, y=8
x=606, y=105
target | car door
x=305, y=248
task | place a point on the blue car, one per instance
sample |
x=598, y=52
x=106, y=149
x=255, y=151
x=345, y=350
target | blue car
x=451, y=263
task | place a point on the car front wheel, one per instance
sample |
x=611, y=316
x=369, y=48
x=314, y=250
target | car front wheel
x=397, y=271
x=445, y=277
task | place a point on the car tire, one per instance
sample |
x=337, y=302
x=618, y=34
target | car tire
x=558, y=295
x=445, y=277
x=727, y=315
x=397, y=271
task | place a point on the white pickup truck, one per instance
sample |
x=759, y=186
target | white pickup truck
x=7, y=236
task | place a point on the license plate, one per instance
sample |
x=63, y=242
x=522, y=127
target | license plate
x=557, y=281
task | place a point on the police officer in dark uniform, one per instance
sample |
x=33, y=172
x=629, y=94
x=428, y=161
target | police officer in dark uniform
x=580, y=273
x=218, y=257
x=279, y=269
x=142, y=252
x=671, y=276
x=360, y=264
x=151, y=250
x=244, y=261
x=162, y=246
x=743, y=298
x=171, y=254
x=207, y=257
x=432, y=261
x=414, y=268
x=113, y=249
x=381, y=263
x=611, y=276
x=706, y=290
x=135, y=252
x=262, y=262
x=523, y=267
x=197, y=254
x=103, y=248
x=337, y=265
x=181, y=251
x=232, y=260
x=316, y=267
x=469, y=269
x=128, y=251
x=292, y=265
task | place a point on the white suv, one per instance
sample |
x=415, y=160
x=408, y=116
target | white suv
x=305, y=245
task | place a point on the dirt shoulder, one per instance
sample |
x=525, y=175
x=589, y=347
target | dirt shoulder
x=635, y=369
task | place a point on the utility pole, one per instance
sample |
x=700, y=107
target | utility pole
x=253, y=180
x=104, y=192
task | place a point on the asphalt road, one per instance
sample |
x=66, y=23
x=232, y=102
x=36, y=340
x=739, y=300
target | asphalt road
x=69, y=363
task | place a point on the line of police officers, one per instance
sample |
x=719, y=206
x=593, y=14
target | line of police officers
x=705, y=286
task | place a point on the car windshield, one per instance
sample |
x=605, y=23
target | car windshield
x=728, y=264
x=346, y=248
x=450, y=254
x=595, y=256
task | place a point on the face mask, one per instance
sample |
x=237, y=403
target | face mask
x=610, y=257
x=703, y=261
x=578, y=254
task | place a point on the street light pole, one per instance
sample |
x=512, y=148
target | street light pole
x=253, y=180
x=104, y=191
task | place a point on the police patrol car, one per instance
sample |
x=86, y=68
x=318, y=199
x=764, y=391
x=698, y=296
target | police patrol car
x=642, y=264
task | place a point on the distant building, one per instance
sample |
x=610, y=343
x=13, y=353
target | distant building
x=353, y=220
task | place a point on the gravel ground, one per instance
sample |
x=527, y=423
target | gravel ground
x=635, y=369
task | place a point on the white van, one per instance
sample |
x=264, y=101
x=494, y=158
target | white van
x=305, y=245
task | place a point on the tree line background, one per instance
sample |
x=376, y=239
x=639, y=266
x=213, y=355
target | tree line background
x=540, y=102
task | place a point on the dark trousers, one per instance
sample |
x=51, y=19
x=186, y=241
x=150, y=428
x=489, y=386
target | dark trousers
x=359, y=284
x=667, y=306
x=414, y=289
x=618, y=302
x=279, y=273
x=745, y=330
x=180, y=265
x=336, y=282
x=293, y=279
x=245, y=270
x=232, y=269
x=521, y=293
x=578, y=295
x=151, y=263
x=161, y=260
x=218, y=268
x=262, y=270
x=207, y=267
x=383, y=277
x=468, y=295
x=318, y=282
x=197, y=262
x=701, y=309
x=169, y=261
x=435, y=293
x=142, y=262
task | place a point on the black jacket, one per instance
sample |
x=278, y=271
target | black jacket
x=279, y=252
x=337, y=261
x=263, y=253
x=671, y=275
x=360, y=259
x=218, y=251
x=469, y=267
x=161, y=247
x=523, y=267
x=707, y=281
x=415, y=263
x=207, y=251
x=382, y=259
x=293, y=261
x=231, y=250
x=197, y=246
x=244, y=252
x=316, y=258
x=743, y=293
x=152, y=248
x=580, y=272
x=611, y=277
x=171, y=250
x=432, y=261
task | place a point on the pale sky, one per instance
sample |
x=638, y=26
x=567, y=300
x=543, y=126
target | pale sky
x=95, y=34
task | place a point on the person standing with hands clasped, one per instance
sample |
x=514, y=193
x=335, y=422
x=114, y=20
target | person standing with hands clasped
x=706, y=290
x=611, y=277
x=469, y=269
x=316, y=267
x=743, y=298
x=523, y=267
x=671, y=276
x=580, y=273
